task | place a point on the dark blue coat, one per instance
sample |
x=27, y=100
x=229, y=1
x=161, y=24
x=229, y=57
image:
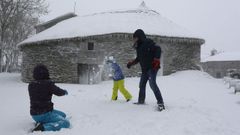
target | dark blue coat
x=147, y=50
x=40, y=93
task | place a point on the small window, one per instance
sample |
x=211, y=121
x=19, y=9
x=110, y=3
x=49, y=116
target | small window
x=90, y=46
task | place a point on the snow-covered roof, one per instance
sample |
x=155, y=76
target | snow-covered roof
x=121, y=21
x=58, y=19
x=224, y=56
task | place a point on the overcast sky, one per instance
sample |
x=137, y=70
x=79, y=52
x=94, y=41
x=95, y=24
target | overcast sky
x=217, y=21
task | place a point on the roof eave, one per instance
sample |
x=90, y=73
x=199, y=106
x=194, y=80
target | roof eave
x=164, y=39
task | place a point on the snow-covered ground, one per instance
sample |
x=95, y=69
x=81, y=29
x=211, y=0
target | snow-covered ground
x=196, y=104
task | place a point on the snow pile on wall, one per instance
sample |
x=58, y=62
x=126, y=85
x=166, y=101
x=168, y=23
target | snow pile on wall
x=225, y=56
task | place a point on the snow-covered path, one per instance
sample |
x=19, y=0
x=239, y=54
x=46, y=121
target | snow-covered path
x=197, y=104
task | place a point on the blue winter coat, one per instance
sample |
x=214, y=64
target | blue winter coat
x=117, y=72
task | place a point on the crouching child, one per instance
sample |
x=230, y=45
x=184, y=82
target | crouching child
x=41, y=107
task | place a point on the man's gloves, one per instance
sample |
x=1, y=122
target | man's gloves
x=156, y=64
x=130, y=63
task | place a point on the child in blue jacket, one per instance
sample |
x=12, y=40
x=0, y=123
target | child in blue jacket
x=118, y=81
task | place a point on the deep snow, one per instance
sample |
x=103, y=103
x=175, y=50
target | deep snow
x=197, y=104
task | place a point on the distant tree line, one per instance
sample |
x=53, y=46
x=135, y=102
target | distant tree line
x=17, y=21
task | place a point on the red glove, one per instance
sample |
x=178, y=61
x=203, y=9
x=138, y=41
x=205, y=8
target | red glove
x=156, y=64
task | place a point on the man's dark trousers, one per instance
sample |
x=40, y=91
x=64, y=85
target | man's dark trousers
x=151, y=76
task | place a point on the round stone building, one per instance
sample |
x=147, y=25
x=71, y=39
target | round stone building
x=75, y=47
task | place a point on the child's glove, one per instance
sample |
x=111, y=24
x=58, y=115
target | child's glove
x=66, y=93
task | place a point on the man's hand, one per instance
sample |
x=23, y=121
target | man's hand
x=129, y=64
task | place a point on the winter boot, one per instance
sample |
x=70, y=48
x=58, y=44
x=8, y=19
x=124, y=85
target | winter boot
x=114, y=99
x=38, y=127
x=161, y=107
x=139, y=103
x=128, y=99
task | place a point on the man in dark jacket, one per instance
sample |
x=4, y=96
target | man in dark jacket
x=148, y=55
x=41, y=107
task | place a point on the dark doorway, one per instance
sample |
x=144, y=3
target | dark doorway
x=218, y=75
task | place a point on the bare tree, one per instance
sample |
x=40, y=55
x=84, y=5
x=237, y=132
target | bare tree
x=17, y=21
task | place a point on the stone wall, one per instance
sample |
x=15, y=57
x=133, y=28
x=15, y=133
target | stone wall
x=63, y=56
x=181, y=57
x=179, y=54
x=218, y=69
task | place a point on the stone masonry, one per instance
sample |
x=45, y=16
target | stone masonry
x=219, y=69
x=63, y=56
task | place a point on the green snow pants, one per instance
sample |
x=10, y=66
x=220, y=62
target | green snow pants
x=119, y=85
